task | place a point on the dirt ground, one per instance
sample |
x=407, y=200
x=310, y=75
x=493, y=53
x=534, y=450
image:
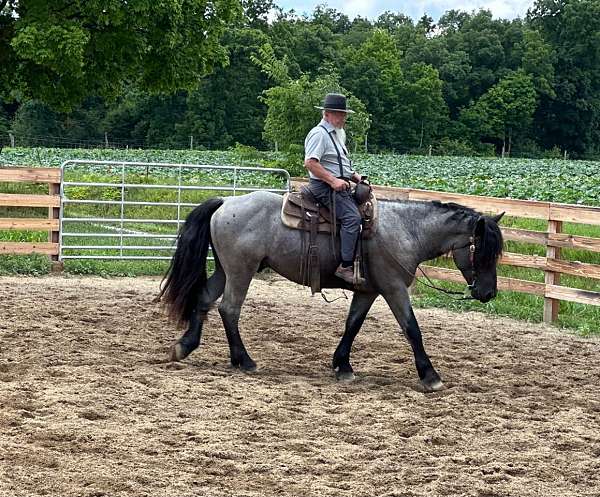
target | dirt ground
x=89, y=407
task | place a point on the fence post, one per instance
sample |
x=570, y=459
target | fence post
x=12, y=140
x=551, y=306
x=191, y=142
x=54, y=236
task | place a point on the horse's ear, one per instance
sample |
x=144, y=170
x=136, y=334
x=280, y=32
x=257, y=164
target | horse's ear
x=480, y=227
x=498, y=217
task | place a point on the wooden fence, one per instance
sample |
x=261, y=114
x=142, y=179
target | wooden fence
x=51, y=201
x=553, y=239
x=552, y=264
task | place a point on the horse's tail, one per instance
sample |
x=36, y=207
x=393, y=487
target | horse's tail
x=186, y=277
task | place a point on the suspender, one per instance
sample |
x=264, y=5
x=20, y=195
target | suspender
x=337, y=150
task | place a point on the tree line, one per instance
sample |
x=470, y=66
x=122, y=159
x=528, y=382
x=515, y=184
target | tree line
x=175, y=75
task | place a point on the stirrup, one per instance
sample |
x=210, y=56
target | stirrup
x=358, y=280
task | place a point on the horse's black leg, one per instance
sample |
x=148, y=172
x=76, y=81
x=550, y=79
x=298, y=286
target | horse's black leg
x=190, y=340
x=361, y=303
x=230, y=307
x=399, y=303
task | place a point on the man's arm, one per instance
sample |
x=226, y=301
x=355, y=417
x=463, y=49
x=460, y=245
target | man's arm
x=315, y=167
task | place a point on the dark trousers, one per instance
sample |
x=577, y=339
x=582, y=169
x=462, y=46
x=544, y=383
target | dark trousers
x=346, y=213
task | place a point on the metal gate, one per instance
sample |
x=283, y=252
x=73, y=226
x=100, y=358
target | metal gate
x=133, y=210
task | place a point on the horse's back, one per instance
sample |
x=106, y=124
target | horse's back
x=252, y=217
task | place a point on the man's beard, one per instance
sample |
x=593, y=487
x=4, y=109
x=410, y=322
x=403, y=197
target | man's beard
x=341, y=133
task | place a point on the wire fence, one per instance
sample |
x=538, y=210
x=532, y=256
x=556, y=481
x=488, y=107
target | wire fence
x=51, y=141
x=436, y=148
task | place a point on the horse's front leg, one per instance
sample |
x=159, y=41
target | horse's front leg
x=361, y=303
x=399, y=303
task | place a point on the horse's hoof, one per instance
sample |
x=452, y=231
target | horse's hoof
x=246, y=366
x=345, y=376
x=435, y=386
x=177, y=352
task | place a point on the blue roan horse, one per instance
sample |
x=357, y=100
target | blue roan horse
x=247, y=235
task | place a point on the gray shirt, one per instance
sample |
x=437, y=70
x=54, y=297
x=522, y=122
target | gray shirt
x=318, y=145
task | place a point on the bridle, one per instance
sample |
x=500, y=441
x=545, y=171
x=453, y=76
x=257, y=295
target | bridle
x=472, y=248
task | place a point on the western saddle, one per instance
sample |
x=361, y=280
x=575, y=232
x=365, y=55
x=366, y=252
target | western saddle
x=302, y=211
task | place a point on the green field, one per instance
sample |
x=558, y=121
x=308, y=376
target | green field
x=553, y=180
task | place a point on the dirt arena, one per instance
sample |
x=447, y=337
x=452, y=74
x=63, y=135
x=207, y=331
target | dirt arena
x=90, y=408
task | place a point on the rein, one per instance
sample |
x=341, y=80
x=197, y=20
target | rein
x=452, y=292
x=472, y=249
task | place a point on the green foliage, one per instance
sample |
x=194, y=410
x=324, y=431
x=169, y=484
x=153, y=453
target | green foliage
x=4, y=127
x=246, y=152
x=275, y=69
x=34, y=265
x=460, y=148
x=504, y=111
x=373, y=73
x=61, y=51
x=469, y=80
x=291, y=111
x=571, y=118
x=292, y=161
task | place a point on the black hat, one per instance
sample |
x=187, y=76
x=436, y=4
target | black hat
x=335, y=101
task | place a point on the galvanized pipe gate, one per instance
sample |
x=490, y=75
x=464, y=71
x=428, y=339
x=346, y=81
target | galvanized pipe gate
x=107, y=205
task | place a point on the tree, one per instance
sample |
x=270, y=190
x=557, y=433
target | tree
x=538, y=59
x=424, y=106
x=571, y=118
x=505, y=111
x=374, y=75
x=34, y=120
x=62, y=51
x=4, y=127
x=218, y=118
x=291, y=111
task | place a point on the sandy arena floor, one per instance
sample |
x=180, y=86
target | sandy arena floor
x=88, y=407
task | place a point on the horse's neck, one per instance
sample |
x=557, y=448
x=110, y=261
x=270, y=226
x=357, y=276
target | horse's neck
x=430, y=230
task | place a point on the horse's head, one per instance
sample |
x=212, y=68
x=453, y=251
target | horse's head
x=478, y=258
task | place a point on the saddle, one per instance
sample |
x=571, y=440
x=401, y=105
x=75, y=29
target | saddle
x=301, y=211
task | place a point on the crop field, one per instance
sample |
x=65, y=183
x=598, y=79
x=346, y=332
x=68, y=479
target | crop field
x=557, y=180
x=576, y=182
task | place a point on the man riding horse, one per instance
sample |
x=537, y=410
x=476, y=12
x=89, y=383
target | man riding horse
x=330, y=171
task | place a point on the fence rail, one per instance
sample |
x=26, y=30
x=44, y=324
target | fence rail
x=51, y=201
x=552, y=264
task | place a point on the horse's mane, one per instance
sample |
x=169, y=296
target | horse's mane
x=491, y=242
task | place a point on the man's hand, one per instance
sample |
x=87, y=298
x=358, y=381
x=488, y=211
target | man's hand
x=339, y=185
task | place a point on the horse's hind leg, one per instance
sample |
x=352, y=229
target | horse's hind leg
x=230, y=307
x=190, y=340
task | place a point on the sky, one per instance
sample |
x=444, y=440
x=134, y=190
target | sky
x=504, y=9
